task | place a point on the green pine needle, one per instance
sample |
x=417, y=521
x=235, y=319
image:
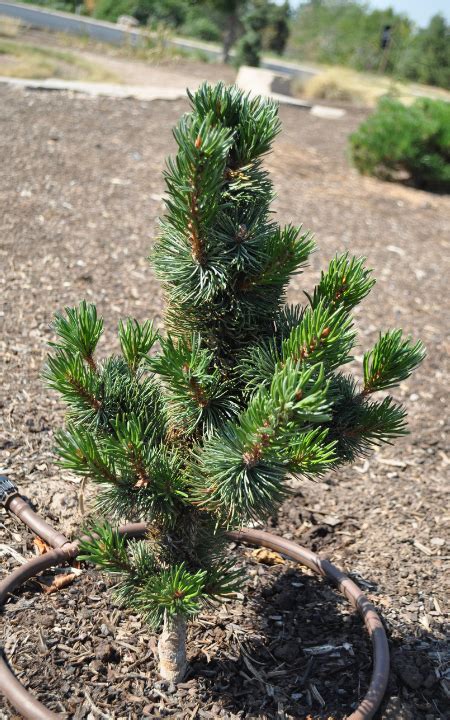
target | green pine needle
x=344, y=284
x=392, y=360
x=80, y=331
x=102, y=545
x=197, y=395
x=136, y=341
x=175, y=591
x=241, y=471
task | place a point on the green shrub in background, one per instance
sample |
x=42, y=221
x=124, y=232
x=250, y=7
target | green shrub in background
x=63, y=5
x=398, y=140
x=203, y=28
x=111, y=10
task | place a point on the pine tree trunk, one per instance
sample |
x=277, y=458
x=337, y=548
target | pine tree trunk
x=172, y=649
x=230, y=36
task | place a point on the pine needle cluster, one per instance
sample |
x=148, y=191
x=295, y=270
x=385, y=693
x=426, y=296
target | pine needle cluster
x=196, y=430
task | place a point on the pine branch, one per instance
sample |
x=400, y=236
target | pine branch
x=358, y=424
x=256, y=118
x=126, y=393
x=197, y=396
x=240, y=472
x=102, y=545
x=222, y=580
x=286, y=252
x=392, y=360
x=287, y=319
x=151, y=487
x=79, y=332
x=78, y=384
x=244, y=233
x=323, y=335
x=173, y=591
x=136, y=341
x=194, y=179
x=344, y=285
x=81, y=453
x=311, y=454
x=258, y=363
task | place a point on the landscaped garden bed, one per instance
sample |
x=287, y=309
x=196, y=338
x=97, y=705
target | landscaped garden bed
x=332, y=537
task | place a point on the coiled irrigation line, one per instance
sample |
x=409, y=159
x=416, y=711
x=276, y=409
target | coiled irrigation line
x=64, y=551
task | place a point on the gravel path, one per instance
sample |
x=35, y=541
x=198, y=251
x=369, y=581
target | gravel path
x=80, y=193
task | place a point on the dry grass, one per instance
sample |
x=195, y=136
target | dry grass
x=22, y=60
x=10, y=27
x=154, y=47
x=343, y=85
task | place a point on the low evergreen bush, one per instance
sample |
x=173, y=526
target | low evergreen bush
x=409, y=143
x=196, y=430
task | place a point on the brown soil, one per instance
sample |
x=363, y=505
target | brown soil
x=80, y=197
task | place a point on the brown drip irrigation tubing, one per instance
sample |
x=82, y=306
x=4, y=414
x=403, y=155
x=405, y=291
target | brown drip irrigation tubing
x=32, y=520
x=380, y=673
x=65, y=551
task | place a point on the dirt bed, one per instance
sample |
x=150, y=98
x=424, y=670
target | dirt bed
x=80, y=192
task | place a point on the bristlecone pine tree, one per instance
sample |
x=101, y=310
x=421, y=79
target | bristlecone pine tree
x=243, y=392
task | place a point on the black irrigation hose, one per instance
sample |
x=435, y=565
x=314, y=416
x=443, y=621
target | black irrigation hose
x=32, y=709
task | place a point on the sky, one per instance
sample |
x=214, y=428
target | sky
x=418, y=10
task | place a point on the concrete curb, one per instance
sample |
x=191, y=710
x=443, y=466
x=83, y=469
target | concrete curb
x=148, y=93
x=137, y=92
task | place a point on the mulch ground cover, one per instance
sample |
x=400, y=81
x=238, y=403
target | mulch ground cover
x=80, y=193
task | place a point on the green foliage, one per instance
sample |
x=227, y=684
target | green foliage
x=136, y=341
x=203, y=28
x=276, y=32
x=198, y=398
x=391, y=361
x=197, y=430
x=239, y=472
x=170, y=12
x=80, y=331
x=256, y=25
x=174, y=591
x=349, y=33
x=406, y=141
x=64, y=5
x=67, y=374
x=344, y=285
x=249, y=46
x=426, y=58
x=104, y=546
x=112, y=9
x=358, y=423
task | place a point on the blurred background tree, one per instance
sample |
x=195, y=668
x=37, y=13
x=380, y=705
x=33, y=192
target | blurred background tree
x=345, y=32
x=258, y=25
x=427, y=57
x=276, y=32
x=254, y=23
